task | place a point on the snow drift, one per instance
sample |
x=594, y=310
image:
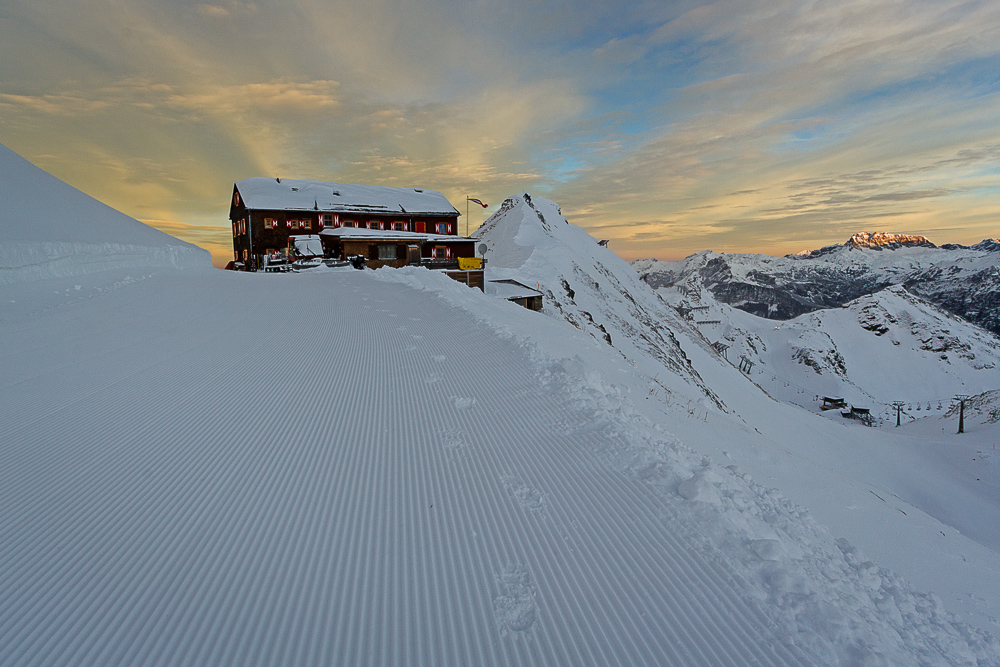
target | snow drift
x=50, y=229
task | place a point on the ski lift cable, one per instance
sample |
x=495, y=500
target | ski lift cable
x=910, y=406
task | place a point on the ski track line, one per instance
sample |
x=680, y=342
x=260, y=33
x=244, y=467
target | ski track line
x=543, y=468
x=144, y=354
x=310, y=498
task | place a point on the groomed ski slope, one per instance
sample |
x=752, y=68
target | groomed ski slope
x=203, y=468
x=369, y=478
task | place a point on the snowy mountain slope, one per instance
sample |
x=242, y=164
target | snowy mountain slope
x=838, y=474
x=879, y=348
x=50, y=229
x=586, y=284
x=464, y=513
x=883, y=347
x=963, y=280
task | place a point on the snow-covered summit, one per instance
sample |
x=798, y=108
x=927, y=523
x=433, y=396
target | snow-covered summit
x=587, y=284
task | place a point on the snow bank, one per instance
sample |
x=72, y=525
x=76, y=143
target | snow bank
x=49, y=229
x=27, y=262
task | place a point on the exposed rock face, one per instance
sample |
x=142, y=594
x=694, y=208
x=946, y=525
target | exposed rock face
x=962, y=280
x=887, y=240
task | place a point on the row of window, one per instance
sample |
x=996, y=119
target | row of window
x=388, y=251
x=328, y=220
x=385, y=252
x=273, y=223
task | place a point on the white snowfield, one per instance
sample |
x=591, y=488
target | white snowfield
x=389, y=468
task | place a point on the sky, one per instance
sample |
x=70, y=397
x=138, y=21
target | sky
x=666, y=127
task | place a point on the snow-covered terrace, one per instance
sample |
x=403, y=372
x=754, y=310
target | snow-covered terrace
x=510, y=289
x=355, y=233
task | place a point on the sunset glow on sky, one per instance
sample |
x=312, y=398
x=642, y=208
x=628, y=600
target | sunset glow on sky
x=667, y=127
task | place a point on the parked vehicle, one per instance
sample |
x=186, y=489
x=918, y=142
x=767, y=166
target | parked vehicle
x=305, y=251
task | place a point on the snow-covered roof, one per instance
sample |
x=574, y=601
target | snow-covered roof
x=269, y=193
x=510, y=289
x=362, y=233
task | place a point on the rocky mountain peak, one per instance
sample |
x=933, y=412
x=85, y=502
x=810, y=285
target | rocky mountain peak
x=887, y=240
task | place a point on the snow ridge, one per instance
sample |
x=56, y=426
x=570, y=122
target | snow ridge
x=29, y=262
x=587, y=285
x=49, y=229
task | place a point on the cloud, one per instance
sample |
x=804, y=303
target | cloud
x=227, y=10
x=217, y=11
x=62, y=104
x=666, y=126
x=218, y=241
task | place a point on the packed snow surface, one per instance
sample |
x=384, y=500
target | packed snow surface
x=386, y=467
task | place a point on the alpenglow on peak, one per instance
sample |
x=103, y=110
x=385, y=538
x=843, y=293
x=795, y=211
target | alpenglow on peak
x=879, y=240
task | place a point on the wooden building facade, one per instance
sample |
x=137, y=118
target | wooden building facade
x=397, y=248
x=264, y=212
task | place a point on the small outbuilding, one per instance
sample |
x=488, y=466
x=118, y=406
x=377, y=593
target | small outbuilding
x=864, y=415
x=833, y=403
x=517, y=292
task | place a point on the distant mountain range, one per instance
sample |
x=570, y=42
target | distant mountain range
x=963, y=280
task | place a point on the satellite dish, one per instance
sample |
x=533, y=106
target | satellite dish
x=482, y=248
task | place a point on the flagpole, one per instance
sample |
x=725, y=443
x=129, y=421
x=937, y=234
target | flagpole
x=467, y=200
